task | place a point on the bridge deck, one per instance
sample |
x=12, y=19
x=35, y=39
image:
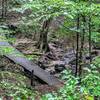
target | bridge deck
x=20, y=59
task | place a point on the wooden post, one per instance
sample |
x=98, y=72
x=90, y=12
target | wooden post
x=32, y=78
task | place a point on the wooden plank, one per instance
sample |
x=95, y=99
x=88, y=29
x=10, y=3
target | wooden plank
x=20, y=59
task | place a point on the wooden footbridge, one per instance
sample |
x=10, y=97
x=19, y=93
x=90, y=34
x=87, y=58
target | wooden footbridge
x=20, y=59
x=17, y=57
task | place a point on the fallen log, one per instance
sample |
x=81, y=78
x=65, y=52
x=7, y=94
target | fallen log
x=20, y=59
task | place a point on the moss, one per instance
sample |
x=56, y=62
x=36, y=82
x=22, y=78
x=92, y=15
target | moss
x=32, y=57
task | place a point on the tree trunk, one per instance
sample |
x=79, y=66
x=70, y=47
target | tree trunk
x=90, y=41
x=43, y=39
x=82, y=36
x=77, y=48
x=4, y=8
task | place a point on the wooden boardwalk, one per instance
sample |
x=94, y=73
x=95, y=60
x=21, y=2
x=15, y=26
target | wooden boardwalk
x=20, y=59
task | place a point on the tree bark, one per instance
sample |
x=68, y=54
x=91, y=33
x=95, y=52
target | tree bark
x=77, y=48
x=82, y=48
x=4, y=8
x=90, y=45
x=43, y=39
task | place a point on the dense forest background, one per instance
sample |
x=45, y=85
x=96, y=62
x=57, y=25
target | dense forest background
x=62, y=37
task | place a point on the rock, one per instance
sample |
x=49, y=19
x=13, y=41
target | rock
x=69, y=57
x=87, y=57
x=50, y=55
x=73, y=68
x=59, y=68
x=41, y=65
x=93, y=54
x=12, y=27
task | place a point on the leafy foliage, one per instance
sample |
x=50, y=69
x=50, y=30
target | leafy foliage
x=17, y=88
x=42, y=10
x=89, y=87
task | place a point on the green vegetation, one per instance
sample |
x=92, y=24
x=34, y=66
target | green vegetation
x=89, y=87
x=74, y=18
x=14, y=85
